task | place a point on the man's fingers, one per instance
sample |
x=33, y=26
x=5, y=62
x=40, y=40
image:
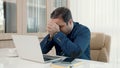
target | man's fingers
x=50, y=23
x=49, y=27
x=52, y=27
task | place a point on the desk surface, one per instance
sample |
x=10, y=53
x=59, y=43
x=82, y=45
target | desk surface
x=15, y=62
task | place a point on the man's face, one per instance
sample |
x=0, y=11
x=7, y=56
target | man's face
x=65, y=28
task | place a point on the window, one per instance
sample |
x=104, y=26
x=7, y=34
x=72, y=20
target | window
x=36, y=16
x=8, y=17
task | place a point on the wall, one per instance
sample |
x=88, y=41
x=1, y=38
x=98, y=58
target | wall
x=100, y=16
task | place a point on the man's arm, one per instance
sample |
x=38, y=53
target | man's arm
x=46, y=44
x=75, y=48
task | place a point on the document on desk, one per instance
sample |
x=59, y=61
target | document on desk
x=73, y=64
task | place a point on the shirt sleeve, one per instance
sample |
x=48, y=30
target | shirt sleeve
x=46, y=44
x=75, y=48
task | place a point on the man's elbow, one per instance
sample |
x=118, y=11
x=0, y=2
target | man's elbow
x=44, y=51
x=76, y=53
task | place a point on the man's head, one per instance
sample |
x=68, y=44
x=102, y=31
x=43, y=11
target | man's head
x=63, y=18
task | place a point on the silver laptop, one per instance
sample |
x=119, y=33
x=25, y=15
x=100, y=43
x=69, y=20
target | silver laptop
x=28, y=47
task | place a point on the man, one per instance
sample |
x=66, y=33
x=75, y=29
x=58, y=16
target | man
x=70, y=38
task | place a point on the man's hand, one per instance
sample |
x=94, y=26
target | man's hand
x=52, y=28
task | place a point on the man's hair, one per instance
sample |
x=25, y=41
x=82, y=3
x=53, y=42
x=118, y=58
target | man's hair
x=63, y=13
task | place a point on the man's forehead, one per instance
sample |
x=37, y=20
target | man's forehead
x=58, y=21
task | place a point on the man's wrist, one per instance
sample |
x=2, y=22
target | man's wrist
x=55, y=33
x=52, y=35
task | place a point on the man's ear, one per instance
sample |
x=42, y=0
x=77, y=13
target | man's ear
x=70, y=21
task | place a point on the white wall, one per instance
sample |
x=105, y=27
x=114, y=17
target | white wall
x=100, y=16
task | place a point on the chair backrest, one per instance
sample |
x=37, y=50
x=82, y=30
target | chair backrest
x=100, y=46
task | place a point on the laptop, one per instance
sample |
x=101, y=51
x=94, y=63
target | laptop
x=28, y=47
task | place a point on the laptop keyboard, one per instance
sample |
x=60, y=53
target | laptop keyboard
x=48, y=57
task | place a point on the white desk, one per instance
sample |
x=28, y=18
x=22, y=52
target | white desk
x=15, y=62
x=20, y=63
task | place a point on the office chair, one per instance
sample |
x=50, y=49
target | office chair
x=100, y=47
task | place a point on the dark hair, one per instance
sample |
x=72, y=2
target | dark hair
x=63, y=13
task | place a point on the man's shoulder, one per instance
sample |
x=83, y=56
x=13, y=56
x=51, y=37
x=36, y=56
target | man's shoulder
x=80, y=27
